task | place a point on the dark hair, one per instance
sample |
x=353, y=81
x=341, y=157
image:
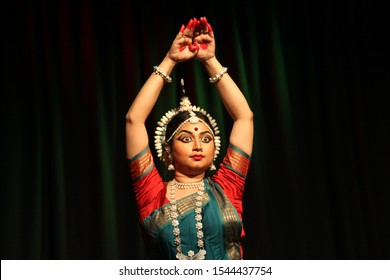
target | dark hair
x=179, y=119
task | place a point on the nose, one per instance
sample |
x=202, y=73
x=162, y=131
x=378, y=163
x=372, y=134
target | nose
x=198, y=146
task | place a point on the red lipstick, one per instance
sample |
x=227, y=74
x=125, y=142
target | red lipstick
x=197, y=157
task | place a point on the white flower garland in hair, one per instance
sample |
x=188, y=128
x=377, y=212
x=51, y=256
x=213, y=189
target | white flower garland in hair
x=160, y=138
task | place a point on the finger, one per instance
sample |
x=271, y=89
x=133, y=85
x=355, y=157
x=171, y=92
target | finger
x=180, y=34
x=209, y=28
x=195, y=27
x=211, y=32
x=195, y=23
x=199, y=30
x=203, y=24
x=189, y=29
x=193, y=47
x=189, y=25
x=202, y=28
x=196, y=45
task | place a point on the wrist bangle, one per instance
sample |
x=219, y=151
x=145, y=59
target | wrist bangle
x=162, y=74
x=219, y=76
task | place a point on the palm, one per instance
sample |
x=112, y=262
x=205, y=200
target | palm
x=180, y=50
x=204, y=38
x=206, y=47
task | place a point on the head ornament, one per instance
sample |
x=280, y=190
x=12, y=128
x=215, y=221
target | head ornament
x=160, y=138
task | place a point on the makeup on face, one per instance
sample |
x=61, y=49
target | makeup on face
x=193, y=148
x=187, y=136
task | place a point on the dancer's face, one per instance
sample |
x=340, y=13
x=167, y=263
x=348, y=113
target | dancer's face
x=193, y=148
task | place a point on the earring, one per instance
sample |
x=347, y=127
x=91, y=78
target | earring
x=212, y=167
x=169, y=156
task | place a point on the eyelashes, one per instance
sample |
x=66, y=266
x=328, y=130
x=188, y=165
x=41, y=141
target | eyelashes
x=189, y=139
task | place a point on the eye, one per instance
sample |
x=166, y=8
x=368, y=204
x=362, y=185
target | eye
x=207, y=139
x=185, y=139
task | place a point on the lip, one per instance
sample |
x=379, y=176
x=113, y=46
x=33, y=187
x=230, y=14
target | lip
x=197, y=157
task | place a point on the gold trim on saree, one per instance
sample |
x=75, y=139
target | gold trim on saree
x=237, y=161
x=230, y=220
x=141, y=164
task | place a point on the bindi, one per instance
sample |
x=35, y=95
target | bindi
x=195, y=128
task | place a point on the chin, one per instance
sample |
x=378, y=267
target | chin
x=196, y=170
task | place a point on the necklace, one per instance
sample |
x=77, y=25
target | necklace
x=198, y=221
x=179, y=185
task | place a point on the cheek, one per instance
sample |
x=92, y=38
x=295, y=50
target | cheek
x=209, y=149
x=180, y=150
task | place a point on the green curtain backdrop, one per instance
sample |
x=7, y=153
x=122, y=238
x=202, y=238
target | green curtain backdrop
x=316, y=74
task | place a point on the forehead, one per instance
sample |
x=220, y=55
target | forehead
x=195, y=127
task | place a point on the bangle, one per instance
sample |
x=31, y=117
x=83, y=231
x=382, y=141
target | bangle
x=162, y=74
x=219, y=76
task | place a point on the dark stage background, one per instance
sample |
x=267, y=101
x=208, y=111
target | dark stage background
x=316, y=74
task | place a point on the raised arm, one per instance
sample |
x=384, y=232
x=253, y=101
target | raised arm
x=235, y=103
x=182, y=49
x=233, y=99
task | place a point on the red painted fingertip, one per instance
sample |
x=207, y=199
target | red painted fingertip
x=196, y=23
x=189, y=24
x=182, y=48
x=209, y=27
x=182, y=28
x=191, y=47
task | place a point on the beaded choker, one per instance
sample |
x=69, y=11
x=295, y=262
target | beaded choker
x=179, y=185
x=198, y=222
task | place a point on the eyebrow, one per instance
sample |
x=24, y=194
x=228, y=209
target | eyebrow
x=190, y=132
